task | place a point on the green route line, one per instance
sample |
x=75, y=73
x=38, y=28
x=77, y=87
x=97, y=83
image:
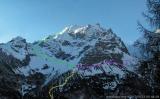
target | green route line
x=39, y=52
x=65, y=82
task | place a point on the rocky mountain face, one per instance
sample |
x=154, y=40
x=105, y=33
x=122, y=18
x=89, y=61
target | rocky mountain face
x=88, y=62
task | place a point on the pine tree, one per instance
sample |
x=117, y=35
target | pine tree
x=149, y=69
x=153, y=13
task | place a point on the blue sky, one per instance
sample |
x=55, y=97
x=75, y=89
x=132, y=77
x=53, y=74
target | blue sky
x=36, y=19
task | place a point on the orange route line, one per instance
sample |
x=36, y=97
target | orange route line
x=65, y=82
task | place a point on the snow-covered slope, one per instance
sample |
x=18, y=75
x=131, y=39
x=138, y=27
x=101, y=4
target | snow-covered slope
x=17, y=47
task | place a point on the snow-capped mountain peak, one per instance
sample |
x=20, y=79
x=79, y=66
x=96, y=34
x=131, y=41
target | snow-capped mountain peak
x=80, y=32
x=80, y=29
x=18, y=39
x=58, y=54
x=17, y=48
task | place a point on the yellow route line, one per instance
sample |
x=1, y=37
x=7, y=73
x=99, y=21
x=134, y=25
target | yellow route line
x=66, y=80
